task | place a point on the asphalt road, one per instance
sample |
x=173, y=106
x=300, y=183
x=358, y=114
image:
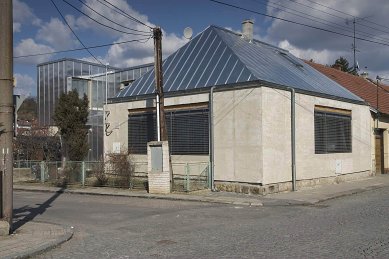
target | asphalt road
x=116, y=227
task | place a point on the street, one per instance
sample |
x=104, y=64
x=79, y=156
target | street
x=118, y=227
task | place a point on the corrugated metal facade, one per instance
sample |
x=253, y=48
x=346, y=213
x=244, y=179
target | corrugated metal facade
x=220, y=57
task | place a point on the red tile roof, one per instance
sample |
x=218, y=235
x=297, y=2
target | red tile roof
x=360, y=86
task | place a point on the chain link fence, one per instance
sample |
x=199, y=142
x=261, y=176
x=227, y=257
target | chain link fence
x=187, y=177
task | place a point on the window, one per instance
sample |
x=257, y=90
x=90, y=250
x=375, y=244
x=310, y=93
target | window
x=332, y=130
x=188, y=131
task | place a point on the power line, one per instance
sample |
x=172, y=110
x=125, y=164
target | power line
x=353, y=16
x=298, y=23
x=112, y=28
x=122, y=13
x=144, y=40
x=75, y=33
x=129, y=16
x=93, y=10
x=315, y=19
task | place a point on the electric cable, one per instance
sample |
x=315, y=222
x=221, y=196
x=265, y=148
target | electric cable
x=129, y=16
x=143, y=40
x=297, y=23
x=356, y=17
x=75, y=33
x=112, y=28
x=93, y=10
x=315, y=19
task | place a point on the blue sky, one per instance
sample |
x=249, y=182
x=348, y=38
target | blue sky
x=39, y=28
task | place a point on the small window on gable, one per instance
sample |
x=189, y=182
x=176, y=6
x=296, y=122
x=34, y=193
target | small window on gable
x=332, y=130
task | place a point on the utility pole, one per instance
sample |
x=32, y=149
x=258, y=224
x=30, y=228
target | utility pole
x=161, y=119
x=6, y=110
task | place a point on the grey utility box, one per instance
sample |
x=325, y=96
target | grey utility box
x=158, y=167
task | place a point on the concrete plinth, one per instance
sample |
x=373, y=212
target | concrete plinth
x=4, y=228
x=158, y=167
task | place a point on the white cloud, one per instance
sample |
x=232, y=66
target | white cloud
x=22, y=14
x=25, y=85
x=133, y=53
x=17, y=27
x=136, y=53
x=324, y=56
x=57, y=34
x=29, y=46
x=111, y=13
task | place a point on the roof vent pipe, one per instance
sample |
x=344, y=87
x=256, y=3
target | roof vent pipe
x=247, y=29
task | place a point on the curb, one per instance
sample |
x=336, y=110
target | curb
x=45, y=247
x=272, y=202
x=151, y=196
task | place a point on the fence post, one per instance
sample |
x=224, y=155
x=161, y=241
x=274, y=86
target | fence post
x=83, y=173
x=42, y=172
x=187, y=177
x=209, y=183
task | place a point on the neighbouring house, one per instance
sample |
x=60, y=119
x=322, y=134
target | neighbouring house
x=232, y=100
x=377, y=96
x=97, y=81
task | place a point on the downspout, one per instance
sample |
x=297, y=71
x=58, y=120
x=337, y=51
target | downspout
x=293, y=135
x=211, y=140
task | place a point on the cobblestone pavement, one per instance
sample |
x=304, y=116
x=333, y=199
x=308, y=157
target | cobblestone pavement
x=354, y=226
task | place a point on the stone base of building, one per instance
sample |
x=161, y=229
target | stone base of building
x=258, y=189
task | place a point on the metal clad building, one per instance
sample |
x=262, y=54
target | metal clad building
x=60, y=76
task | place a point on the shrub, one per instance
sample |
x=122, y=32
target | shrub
x=98, y=171
x=121, y=167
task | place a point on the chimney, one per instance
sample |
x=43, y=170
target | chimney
x=247, y=29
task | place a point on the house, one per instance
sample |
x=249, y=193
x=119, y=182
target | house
x=264, y=119
x=377, y=96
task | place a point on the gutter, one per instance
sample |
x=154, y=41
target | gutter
x=211, y=143
x=293, y=134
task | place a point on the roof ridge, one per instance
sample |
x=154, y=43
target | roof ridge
x=255, y=40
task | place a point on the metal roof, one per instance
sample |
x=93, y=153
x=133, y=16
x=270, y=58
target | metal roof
x=221, y=57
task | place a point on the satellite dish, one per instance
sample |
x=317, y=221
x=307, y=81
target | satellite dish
x=188, y=32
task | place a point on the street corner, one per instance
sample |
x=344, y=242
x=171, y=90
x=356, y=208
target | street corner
x=33, y=238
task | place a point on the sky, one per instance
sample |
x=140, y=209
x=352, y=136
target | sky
x=310, y=29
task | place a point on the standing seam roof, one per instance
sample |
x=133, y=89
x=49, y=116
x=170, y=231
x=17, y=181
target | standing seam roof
x=219, y=57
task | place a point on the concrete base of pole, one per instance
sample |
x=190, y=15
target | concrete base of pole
x=4, y=228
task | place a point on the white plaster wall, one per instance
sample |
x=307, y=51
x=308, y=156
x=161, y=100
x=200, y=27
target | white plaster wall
x=237, y=137
x=118, y=120
x=276, y=144
x=252, y=138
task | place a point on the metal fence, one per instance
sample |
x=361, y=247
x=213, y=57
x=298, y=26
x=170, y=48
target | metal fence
x=187, y=177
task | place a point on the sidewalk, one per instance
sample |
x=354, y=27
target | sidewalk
x=306, y=196
x=33, y=238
